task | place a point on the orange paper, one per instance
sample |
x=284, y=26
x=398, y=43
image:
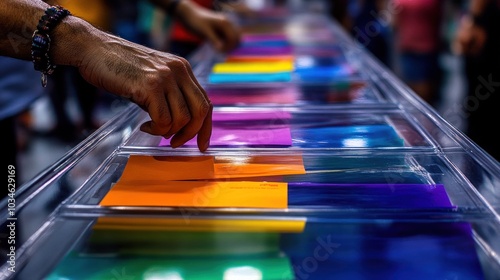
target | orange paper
x=200, y=194
x=149, y=169
x=145, y=170
x=258, y=166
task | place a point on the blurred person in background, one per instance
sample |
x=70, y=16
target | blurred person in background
x=418, y=41
x=478, y=41
x=183, y=41
x=369, y=29
x=19, y=89
x=338, y=10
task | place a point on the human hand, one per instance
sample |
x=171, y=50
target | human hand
x=239, y=8
x=160, y=83
x=469, y=39
x=216, y=27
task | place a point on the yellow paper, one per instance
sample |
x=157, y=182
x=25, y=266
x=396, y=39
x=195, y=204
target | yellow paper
x=199, y=194
x=253, y=67
x=188, y=223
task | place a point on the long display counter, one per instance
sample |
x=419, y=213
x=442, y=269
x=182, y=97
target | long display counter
x=322, y=165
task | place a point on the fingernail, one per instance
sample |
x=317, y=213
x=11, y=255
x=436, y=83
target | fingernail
x=173, y=145
x=206, y=145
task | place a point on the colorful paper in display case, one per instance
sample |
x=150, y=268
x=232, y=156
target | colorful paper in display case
x=247, y=129
x=200, y=194
x=145, y=183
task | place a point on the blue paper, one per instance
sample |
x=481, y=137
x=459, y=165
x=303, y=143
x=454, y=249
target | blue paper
x=356, y=136
x=380, y=196
x=324, y=73
x=216, y=78
x=381, y=250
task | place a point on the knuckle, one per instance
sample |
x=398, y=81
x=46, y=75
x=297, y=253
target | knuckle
x=164, y=119
x=153, y=81
x=179, y=63
x=165, y=72
x=184, y=61
x=204, y=109
x=185, y=116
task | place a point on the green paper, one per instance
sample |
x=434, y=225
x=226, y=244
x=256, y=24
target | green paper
x=76, y=267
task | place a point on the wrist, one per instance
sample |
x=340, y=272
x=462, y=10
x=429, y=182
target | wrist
x=73, y=39
x=184, y=9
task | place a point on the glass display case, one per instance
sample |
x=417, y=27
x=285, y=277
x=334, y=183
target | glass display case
x=322, y=165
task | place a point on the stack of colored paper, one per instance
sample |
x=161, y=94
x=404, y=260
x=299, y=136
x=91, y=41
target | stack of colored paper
x=259, y=59
x=320, y=64
x=258, y=181
x=181, y=248
x=203, y=182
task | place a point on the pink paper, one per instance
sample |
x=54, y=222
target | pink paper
x=247, y=128
x=263, y=37
x=245, y=99
x=272, y=116
x=237, y=137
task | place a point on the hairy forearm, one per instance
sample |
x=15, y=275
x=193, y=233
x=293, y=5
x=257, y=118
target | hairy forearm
x=19, y=18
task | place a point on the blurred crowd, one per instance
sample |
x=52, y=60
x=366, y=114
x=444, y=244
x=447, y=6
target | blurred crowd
x=408, y=36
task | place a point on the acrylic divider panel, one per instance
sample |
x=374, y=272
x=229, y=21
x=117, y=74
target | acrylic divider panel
x=145, y=183
x=269, y=182
x=263, y=128
x=142, y=169
x=339, y=92
x=242, y=95
x=262, y=61
x=275, y=128
x=200, y=194
x=365, y=128
x=248, y=71
x=200, y=249
x=265, y=61
x=383, y=250
x=378, y=249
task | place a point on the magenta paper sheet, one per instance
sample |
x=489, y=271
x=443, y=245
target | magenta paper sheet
x=238, y=137
x=251, y=116
x=252, y=129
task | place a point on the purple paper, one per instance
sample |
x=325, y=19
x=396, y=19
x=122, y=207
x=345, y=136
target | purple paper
x=272, y=116
x=237, y=137
x=247, y=129
x=237, y=98
x=264, y=37
x=369, y=195
x=267, y=50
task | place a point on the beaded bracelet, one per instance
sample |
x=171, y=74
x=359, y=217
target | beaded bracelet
x=40, y=45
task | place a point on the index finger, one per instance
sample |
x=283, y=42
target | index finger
x=205, y=131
